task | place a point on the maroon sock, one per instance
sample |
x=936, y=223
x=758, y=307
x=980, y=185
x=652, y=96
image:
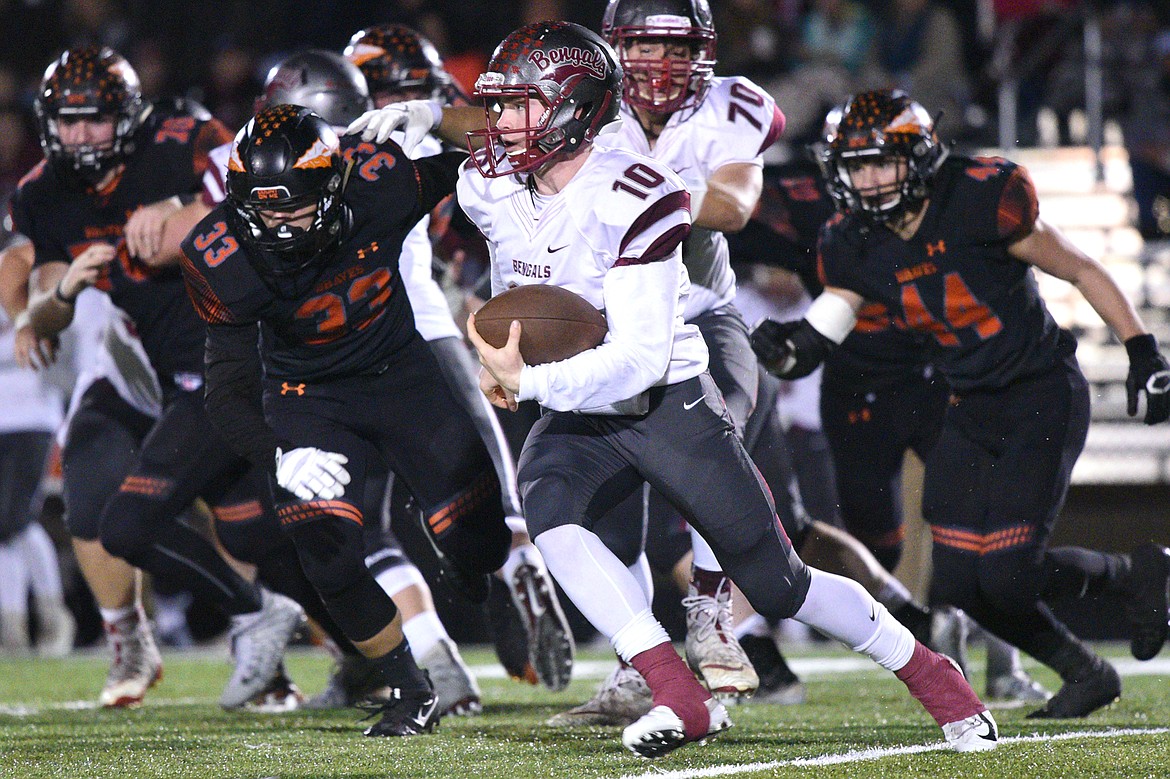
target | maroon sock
x=673, y=685
x=939, y=686
x=708, y=582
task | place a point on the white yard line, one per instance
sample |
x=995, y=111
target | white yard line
x=863, y=755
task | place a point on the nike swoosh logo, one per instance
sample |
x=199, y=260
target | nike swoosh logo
x=873, y=612
x=990, y=735
x=551, y=249
x=692, y=404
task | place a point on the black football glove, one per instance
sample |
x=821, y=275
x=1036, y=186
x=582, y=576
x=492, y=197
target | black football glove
x=772, y=345
x=1149, y=373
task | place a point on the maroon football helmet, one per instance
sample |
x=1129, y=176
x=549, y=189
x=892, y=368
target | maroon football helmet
x=663, y=85
x=571, y=71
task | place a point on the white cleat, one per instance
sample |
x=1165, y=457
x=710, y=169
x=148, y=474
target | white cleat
x=713, y=652
x=258, y=644
x=280, y=696
x=455, y=688
x=661, y=731
x=622, y=698
x=136, y=666
x=977, y=733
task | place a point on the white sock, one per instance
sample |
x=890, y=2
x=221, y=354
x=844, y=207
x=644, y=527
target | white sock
x=41, y=557
x=423, y=631
x=641, y=572
x=752, y=625
x=597, y=583
x=14, y=577
x=116, y=616
x=841, y=609
x=704, y=555
x=639, y=634
x=520, y=555
x=397, y=578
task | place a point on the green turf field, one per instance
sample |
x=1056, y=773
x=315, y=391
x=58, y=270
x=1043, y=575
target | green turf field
x=49, y=728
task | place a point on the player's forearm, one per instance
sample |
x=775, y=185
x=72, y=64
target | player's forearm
x=175, y=230
x=458, y=121
x=1110, y=303
x=641, y=303
x=15, y=265
x=50, y=309
x=232, y=393
x=723, y=208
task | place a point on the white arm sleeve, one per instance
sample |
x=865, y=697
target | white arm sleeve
x=641, y=304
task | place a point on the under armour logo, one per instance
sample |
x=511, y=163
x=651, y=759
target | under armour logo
x=373, y=247
x=939, y=246
x=1158, y=383
x=286, y=388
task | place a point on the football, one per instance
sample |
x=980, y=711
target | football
x=555, y=323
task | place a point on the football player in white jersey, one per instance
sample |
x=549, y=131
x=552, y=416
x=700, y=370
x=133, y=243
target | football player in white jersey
x=608, y=224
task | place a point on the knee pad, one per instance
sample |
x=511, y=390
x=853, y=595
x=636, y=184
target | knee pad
x=131, y=519
x=1009, y=581
x=247, y=532
x=470, y=526
x=331, y=553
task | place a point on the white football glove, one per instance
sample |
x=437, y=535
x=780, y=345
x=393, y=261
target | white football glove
x=415, y=118
x=311, y=473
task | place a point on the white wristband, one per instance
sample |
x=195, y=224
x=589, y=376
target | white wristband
x=436, y=113
x=832, y=316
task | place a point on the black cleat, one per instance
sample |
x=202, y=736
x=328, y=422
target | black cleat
x=509, y=635
x=549, y=639
x=405, y=713
x=354, y=680
x=1100, y=687
x=1149, y=606
x=473, y=586
x=778, y=684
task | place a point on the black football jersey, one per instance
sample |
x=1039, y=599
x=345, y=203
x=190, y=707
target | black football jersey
x=783, y=231
x=954, y=279
x=348, y=314
x=62, y=220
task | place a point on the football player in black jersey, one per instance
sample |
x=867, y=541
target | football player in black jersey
x=946, y=243
x=108, y=153
x=879, y=398
x=304, y=251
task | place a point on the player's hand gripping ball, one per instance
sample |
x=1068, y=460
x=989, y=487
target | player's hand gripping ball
x=555, y=323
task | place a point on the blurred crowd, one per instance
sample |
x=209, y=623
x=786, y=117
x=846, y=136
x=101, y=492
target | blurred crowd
x=809, y=54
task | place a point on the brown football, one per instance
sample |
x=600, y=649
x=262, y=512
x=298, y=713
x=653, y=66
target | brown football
x=555, y=323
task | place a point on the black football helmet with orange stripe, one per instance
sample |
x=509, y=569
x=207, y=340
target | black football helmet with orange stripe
x=92, y=83
x=571, y=71
x=875, y=126
x=664, y=85
x=284, y=159
x=402, y=62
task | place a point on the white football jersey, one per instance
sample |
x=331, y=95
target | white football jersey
x=30, y=402
x=107, y=347
x=611, y=236
x=735, y=123
x=432, y=314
